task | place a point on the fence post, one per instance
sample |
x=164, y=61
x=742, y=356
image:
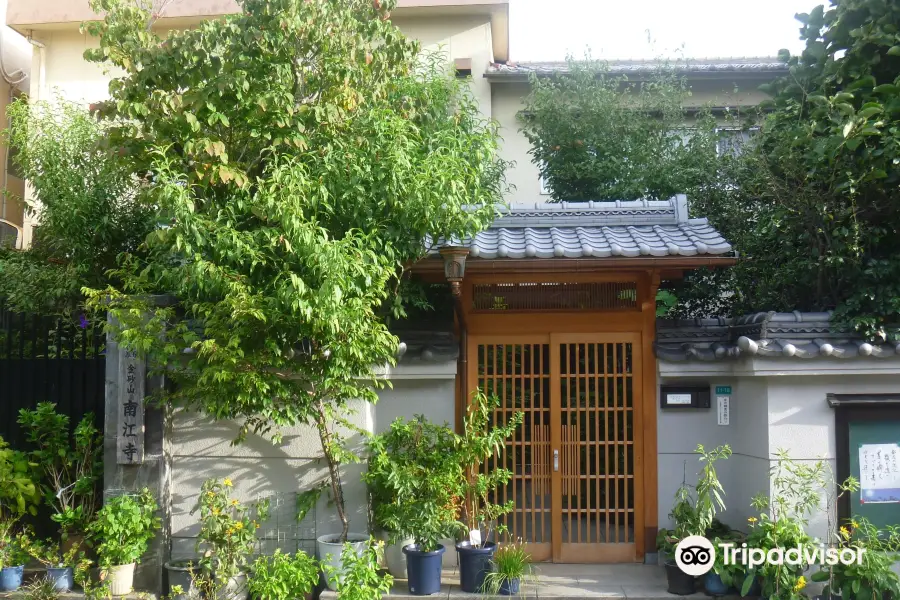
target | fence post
x=153, y=469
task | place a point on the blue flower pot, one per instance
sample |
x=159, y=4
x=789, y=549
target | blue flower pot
x=423, y=570
x=714, y=585
x=11, y=578
x=510, y=587
x=474, y=565
x=62, y=578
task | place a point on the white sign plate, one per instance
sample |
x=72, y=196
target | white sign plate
x=678, y=399
x=724, y=404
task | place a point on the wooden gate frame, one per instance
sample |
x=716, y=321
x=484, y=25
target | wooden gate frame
x=640, y=320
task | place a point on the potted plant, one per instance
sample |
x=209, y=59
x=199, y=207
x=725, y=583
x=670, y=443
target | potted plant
x=799, y=489
x=724, y=578
x=42, y=588
x=120, y=533
x=226, y=539
x=873, y=578
x=71, y=464
x=18, y=492
x=284, y=576
x=415, y=466
x=480, y=441
x=60, y=564
x=13, y=556
x=692, y=513
x=378, y=478
x=510, y=567
x=358, y=577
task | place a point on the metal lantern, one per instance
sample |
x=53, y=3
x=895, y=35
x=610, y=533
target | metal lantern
x=454, y=266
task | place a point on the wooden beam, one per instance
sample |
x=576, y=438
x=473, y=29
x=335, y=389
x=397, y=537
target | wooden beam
x=578, y=265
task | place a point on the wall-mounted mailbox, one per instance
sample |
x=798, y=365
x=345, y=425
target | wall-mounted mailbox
x=684, y=396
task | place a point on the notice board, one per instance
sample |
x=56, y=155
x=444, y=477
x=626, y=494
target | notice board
x=874, y=459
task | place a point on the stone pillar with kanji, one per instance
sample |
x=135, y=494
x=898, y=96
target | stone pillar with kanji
x=135, y=449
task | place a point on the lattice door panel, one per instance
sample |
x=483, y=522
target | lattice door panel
x=519, y=375
x=576, y=456
x=598, y=383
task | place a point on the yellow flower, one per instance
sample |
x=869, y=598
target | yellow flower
x=752, y=519
x=215, y=511
x=211, y=494
x=238, y=525
x=801, y=583
x=229, y=531
x=855, y=524
x=227, y=482
x=845, y=532
x=234, y=502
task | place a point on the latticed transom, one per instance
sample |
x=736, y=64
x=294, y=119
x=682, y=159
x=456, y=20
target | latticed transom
x=611, y=295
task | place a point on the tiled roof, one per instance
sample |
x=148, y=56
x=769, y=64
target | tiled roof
x=769, y=335
x=426, y=345
x=598, y=230
x=766, y=64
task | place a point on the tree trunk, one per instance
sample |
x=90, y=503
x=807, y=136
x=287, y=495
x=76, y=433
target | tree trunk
x=337, y=490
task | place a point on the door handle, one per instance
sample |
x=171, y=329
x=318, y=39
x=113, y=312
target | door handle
x=556, y=460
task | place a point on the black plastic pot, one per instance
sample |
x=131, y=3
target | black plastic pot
x=423, y=569
x=474, y=565
x=679, y=582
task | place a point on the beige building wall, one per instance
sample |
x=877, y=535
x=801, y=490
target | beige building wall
x=457, y=37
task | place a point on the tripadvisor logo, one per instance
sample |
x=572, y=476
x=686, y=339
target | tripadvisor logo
x=695, y=555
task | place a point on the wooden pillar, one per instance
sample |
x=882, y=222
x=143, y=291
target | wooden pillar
x=648, y=287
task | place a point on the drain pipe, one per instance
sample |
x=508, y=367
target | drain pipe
x=42, y=59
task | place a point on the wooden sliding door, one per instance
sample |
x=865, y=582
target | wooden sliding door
x=575, y=486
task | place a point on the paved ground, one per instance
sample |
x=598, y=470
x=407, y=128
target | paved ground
x=562, y=582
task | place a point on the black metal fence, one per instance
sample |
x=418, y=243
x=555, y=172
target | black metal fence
x=49, y=359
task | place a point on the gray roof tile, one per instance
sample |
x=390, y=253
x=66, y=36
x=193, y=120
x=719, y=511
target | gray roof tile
x=598, y=230
x=768, y=335
x=764, y=64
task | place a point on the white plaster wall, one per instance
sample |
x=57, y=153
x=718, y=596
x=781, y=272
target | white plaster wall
x=202, y=449
x=679, y=431
x=749, y=464
x=801, y=421
x=776, y=404
x=433, y=398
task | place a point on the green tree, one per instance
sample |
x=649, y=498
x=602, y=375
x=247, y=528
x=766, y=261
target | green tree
x=89, y=205
x=300, y=154
x=600, y=136
x=816, y=209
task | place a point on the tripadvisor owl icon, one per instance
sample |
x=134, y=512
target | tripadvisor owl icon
x=695, y=555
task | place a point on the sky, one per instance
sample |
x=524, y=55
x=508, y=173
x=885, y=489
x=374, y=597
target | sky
x=620, y=29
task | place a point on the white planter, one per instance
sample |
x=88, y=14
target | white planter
x=235, y=588
x=328, y=551
x=395, y=560
x=121, y=579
